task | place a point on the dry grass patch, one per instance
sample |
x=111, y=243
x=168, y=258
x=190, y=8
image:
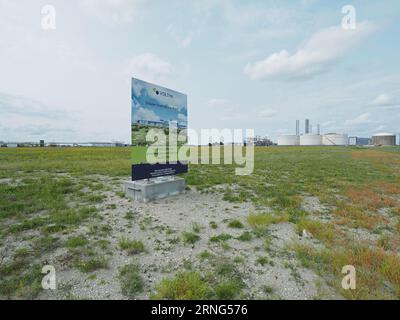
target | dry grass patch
x=378, y=272
x=355, y=217
x=370, y=200
x=322, y=231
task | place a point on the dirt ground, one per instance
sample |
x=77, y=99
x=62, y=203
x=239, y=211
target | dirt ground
x=159, y=226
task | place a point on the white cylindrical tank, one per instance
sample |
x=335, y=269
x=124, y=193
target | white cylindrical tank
x=288, y=140
x=384, y=139
x=335, y=139
x=311, y=140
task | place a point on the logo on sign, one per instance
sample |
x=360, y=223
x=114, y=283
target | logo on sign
x=162, y=93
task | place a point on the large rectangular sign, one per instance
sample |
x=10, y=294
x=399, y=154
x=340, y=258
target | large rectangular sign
x=155, y=109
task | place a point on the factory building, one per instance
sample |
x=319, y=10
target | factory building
x=384, y=139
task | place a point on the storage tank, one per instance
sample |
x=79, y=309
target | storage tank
x=311, y=140
x=288, y=140
x=335, y=139
x=384, y=139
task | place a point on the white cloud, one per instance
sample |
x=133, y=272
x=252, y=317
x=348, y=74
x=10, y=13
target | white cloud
x=364, y=118
x=384, y=100
x=182, y=41
x=313, y=57
x=112, y=11
x=148, y=66
x=217, y=103
x=267, y=113
x=145, y=114
x=308, y=2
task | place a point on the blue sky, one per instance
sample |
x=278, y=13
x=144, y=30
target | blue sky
x=243, y=64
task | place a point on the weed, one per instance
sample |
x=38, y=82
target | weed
x=75, y=242
x=213, y=225
x=262, y=260
x=236, y=224
x=196, y=228
x=261, y=221
x=190, y=238
x=92, y=264
x=131, y=280
x=205, y=255
x=131, y=246
x=221, y=237
x=184, y=286
x=321, y=231
x=245, y=236
x=228, y=290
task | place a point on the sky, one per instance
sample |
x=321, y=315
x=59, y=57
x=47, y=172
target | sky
x=243, y=64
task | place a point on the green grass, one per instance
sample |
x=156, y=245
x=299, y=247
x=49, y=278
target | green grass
x=76, y=242
x=131, y=280
x=213, y=225
x=221, y=237
x=261, y=221
x=235, y=224
x=245, y=236
x=196, y=228
x=322, y=231
x=227, y=290
x=356, y=182
x=190, y=237
x=92, y=264
x=262, y=261
x=205, y=255
x=131, y=246
x=184, y=286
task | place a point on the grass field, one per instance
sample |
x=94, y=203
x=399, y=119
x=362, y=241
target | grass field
x=56, y=200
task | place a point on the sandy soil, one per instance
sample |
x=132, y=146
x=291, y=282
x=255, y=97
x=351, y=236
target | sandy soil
x=158, y=225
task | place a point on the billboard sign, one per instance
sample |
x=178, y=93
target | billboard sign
x=155, y=109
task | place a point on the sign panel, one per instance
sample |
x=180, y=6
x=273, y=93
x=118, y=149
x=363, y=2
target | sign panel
x=147, y=170
x=155, y=112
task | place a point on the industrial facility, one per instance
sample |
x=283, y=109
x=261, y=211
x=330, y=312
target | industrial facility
x=312, y=139
x=332, y=139
x=384, y=139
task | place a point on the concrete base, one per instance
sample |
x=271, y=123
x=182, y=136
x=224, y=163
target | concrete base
x=157, y=188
